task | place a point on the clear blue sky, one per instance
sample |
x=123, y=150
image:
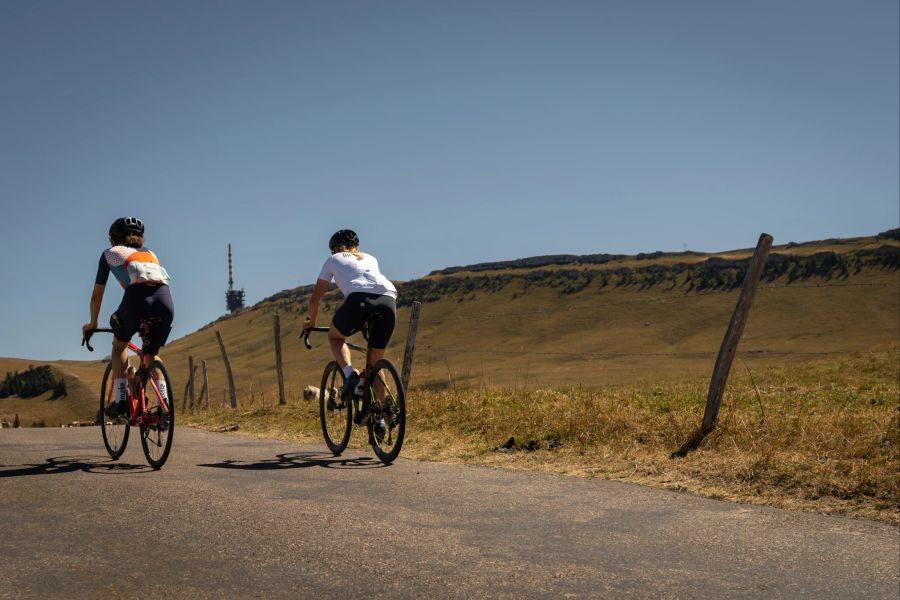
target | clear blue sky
x=445, y=133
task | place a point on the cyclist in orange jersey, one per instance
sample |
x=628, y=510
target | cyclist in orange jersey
x=146, y=285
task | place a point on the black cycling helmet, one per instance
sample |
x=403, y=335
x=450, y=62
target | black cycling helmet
x=343, y=238
x=125, y=225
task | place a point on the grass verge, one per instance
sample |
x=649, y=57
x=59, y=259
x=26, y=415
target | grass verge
x=818, y=436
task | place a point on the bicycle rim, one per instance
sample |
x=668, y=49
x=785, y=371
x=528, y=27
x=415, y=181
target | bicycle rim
x=335, y=415
x=387, y=421
x=115, y=431
x=158, y=420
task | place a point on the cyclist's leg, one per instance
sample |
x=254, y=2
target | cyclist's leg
x=124, y=326
x=339, y=347
x=162, y=308
x=118, y=358
x=124, y=323
x=347, y=320
x=383, y=317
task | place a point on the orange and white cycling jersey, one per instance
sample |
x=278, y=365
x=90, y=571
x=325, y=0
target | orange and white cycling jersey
x=130, y=266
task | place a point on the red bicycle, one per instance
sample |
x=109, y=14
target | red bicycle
x=148, y=409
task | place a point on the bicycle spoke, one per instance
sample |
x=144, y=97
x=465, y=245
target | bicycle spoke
x=387, y=423
x=158, y=420
x=114, y=429
x=334, y=413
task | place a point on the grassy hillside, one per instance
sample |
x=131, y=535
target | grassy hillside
x=595, y=320
x=637, y=319
x=76, y=405
x=598, y=365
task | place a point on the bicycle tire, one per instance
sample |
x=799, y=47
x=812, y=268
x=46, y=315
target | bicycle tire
x=158, y=421
x=115, y=432
x=337, y=419
x=392, y=410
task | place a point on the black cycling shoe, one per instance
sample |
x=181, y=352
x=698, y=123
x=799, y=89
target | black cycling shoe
x=350, y=384
x=116, y=409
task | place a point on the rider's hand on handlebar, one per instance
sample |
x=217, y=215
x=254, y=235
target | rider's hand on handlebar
x=86, y=329
x=308, y=325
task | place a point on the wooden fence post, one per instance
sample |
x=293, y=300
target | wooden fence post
x=278, y=367
x=191, y=380
x=205, y=391
x=410, y=344
x=188, y=391
x=729, y=345
x=227, y=369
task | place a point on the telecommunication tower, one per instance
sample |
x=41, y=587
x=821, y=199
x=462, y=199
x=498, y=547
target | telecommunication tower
x=234, y=299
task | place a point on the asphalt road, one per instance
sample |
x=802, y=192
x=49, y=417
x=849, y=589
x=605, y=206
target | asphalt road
x=232, y=516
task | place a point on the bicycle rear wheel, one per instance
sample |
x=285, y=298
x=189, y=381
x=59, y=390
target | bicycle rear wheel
x=336, y=415
x=158, y=420
x=387, y=401
x=115, y=430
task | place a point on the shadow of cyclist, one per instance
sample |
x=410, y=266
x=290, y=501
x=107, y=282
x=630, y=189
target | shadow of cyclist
x=67, y=464
x=300, y=460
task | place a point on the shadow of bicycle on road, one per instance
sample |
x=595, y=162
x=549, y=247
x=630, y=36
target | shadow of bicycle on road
x=71, y=464
x=300, y=460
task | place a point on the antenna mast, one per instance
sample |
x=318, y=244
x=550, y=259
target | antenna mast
x=234, y=299
x=230, y=278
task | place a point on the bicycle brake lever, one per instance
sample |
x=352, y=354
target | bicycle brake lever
x=86, y=341
x=306, y=341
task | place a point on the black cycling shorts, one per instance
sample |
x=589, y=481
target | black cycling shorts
x=139, y=302
x=380, y=312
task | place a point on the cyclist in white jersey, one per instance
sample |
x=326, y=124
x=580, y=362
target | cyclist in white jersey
x=370, y=298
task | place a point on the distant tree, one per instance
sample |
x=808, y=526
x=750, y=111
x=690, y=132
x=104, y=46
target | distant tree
x=16, y=422
x=59, y=390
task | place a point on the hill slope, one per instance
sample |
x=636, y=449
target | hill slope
x=585, y=320
x=557, y=320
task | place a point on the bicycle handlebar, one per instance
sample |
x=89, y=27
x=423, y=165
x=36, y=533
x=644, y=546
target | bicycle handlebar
x=86, y=337
x=306, y=336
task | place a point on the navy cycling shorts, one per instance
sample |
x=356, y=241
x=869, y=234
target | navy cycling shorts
x=380, y=312
x=140, y=302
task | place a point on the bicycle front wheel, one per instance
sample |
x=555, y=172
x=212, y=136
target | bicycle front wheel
x=158, y=420
x=387, y=420
x=336, y=415
x=115, y=430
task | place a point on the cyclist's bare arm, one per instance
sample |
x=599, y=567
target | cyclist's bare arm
x=314, y=300
x=96, y=301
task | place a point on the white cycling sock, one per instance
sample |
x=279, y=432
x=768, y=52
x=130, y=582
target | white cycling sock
x=347, y=370
x=120, y=385
x=161, y=386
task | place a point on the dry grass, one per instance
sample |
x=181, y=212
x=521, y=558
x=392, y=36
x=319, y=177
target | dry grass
x=607, y=382
x=821, y=436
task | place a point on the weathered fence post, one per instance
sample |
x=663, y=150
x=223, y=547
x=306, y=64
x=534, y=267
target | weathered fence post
x=410, y=344
x=227, y=369
x=278, y=366
x=729, y=345
x=205, y=391
x=188, y=387
x=191, y=380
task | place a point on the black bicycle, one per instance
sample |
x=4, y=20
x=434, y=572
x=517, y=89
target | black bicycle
x=148, y=409
x=380, y=391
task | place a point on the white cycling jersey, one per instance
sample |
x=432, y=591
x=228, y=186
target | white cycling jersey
x=354, y=275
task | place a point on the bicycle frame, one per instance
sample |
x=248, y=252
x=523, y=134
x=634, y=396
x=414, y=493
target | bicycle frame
x=138, y=405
